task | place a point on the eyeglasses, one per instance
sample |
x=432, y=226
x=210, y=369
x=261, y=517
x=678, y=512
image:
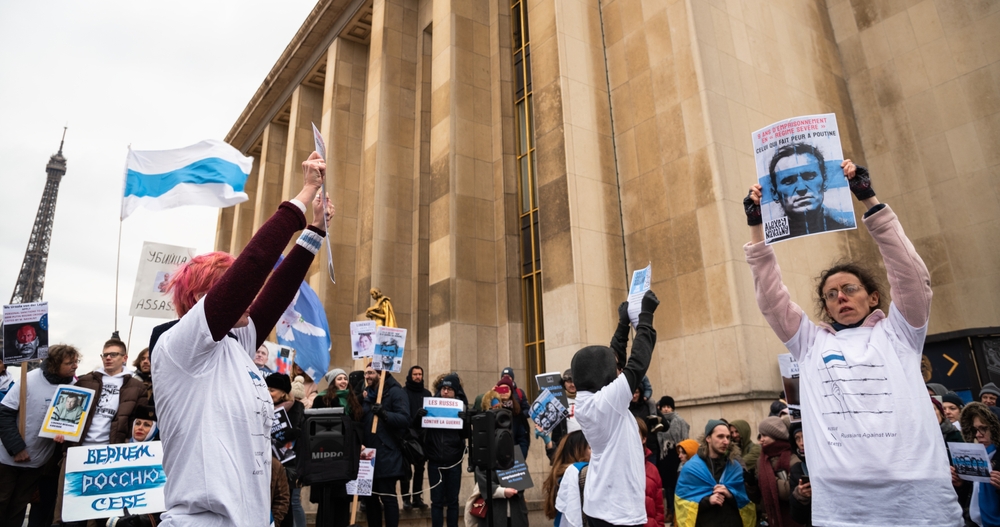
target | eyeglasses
x=985, y=430
x=848, y=290
x=111, y=355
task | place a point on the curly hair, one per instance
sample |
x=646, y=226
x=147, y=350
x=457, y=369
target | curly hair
x=983, y=412
x=57, y=355
x=867, y=278
x=194, y=279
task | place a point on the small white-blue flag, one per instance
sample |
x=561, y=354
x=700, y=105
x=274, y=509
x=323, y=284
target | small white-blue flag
x=210, y=173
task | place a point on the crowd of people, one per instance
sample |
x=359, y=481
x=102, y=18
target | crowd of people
x=620, y=457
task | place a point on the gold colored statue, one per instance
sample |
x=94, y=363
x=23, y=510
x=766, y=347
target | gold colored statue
x=381, y=312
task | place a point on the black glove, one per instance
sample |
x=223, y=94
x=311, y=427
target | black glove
x=461, y=415
x=861, y=184
x=378, y=410
x=623, y=318
x=649, y=302
x=422, y=412
x=753, y=211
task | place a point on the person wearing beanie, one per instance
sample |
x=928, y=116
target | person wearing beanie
x=861, y=387
x=938, y=389
x=800, y=505
x=144, y=425
x=333, y=503
x=675, y=429
x=952, y=405
x=412, y=487
x=605, y=381
x=989, y=394
x=280, y=388
x=773, y=470
x=444, y=448
x=510, y=401
x=710, y=488
x=686, y=450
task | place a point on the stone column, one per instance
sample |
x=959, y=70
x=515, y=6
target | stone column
x=270, y=174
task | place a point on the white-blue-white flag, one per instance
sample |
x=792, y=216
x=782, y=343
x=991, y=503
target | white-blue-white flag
x=210, y=173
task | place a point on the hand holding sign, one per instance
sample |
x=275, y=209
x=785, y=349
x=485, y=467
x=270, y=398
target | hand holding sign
x=320, y=144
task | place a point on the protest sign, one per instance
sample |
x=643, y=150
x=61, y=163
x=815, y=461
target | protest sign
x=157, y=263
x=279, y=358
x=362, y=339
x=282, y=443
x=25, y=332
x=641, y=280
x=366, y=475
x=553, y=383
x=389, y=349
x=442, y=413
x=67, y=413
x=516, y=477
x=320, y=144
x=101, y=480
x=789, y=369
x=971, y=461
x=803, y=189
x=547, y=412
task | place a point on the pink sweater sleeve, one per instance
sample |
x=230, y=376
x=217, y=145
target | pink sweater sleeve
x=783, y=315
x=909, y=280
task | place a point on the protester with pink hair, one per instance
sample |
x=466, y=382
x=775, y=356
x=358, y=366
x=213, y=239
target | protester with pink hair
x=214, y=408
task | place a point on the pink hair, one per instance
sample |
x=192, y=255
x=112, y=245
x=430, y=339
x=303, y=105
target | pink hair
x=195, y=278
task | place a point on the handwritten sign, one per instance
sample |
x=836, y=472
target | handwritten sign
x=67, y=413
x=442, y=413
x=102, y=480
x=158, y=261
x=25, y=332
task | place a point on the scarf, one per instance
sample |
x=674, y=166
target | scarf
x=342, y=399
x=989, y=498
x=769, y=481
x=677, y=431
x=56, y=379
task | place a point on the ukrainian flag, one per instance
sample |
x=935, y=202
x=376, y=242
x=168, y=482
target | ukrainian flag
x=696, y=482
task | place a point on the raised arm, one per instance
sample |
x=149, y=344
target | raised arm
x=280, y=289
x=643, y=344
x=909, y=280
x=230, y=297
x=619, y=342
x=783, y=315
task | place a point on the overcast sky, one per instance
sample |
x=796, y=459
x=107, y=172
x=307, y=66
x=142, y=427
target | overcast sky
x=155, y=75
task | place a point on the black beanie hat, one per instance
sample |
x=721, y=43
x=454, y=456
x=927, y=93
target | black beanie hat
x=279, y=381
x=451, y=381
x=144, y=412
x=594, y=367
x=953, y=398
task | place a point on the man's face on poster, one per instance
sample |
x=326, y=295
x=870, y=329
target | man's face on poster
x=71, y=402
x=799, y=183
x=27, y=340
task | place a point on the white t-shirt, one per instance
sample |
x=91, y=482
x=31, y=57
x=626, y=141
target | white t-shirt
x=105, y=409
x=876, y=454
x=568, y=498
x=215, y=417
x=572, y=425
x=616, y=479
x=40, y=392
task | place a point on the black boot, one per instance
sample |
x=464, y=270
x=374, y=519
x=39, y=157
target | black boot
x=406, y=504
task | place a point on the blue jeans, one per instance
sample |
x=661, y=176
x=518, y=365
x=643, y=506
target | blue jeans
x=298, y=513
x=444, y=494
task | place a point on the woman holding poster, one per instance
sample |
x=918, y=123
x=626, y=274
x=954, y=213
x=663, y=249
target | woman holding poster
x=860, y=383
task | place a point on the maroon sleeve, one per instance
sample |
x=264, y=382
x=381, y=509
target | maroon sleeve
x=230, y=296
x=281, y=288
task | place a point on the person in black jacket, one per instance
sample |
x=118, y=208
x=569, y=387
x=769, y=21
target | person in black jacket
x=334, y=504
x=280, y=386
x=414, y=484
x=393, y=421
x=445, y=448
x=800, y=505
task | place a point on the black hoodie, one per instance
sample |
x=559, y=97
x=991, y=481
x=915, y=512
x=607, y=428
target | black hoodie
x=415, y=392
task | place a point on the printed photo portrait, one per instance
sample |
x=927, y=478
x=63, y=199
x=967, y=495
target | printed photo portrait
x=67, y=413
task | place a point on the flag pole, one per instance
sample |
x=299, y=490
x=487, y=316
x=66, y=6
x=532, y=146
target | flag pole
x=121, y=218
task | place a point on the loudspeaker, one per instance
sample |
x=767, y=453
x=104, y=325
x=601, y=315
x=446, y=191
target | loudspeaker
x=492, y=442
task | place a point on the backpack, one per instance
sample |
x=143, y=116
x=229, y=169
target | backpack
x=582, y=467
x=329, y=447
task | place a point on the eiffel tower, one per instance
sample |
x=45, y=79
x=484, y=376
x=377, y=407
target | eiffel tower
x=31, y=280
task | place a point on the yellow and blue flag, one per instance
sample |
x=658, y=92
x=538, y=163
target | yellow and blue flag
x=696, y=483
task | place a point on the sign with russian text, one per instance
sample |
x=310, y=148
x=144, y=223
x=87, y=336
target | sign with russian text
x=442, y=413
x=158, y=261
x=803, y=187
x=102, y=480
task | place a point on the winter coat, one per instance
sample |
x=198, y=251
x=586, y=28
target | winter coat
x=654, y=495
x=800, y=506
x=389, y=462
x=415, y=393
x=515, y=507
x=642, y=409
x=280, y=495
x=444, y=446
x=133, y=393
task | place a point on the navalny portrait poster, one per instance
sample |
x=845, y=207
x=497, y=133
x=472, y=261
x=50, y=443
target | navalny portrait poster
x=803, y=189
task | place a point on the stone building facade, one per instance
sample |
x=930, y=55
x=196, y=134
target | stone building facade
x=499, y=168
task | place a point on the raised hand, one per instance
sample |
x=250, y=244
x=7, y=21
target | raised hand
x=623, y=313
x=751, y=205
x=313, y=176
x=650, y=302
x=859, y=180
x=319, y=211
